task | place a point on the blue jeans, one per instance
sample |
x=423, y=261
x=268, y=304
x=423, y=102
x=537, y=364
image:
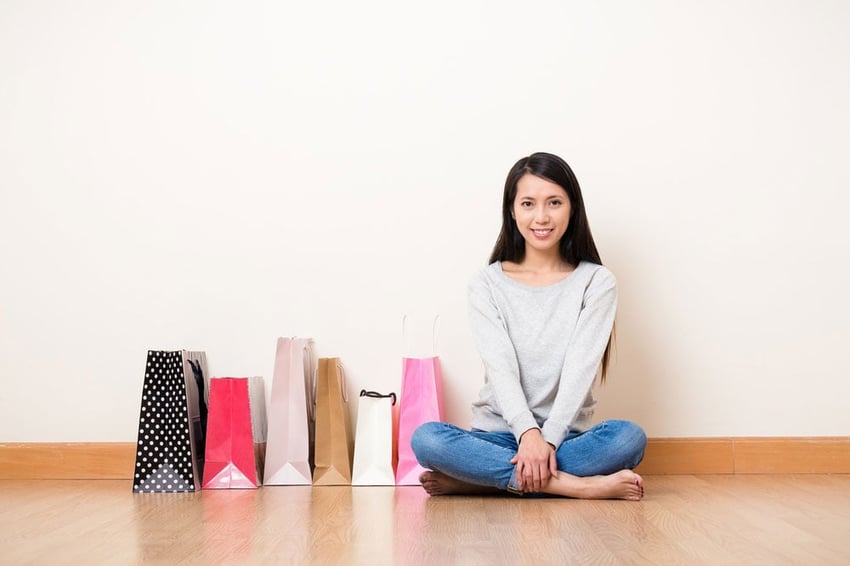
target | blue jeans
x=483, y=458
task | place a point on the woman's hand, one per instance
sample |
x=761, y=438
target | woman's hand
x=535, y=461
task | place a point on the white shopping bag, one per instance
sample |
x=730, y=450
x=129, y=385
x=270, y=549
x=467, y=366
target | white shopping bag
x=374, y=446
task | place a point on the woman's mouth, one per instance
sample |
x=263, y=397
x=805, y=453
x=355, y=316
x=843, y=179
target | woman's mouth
x=541, y=233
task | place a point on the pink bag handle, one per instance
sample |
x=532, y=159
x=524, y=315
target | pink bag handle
x=309, y=379
x=434, y=331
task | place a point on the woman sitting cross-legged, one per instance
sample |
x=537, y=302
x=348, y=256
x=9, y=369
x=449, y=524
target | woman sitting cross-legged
x=542, y=314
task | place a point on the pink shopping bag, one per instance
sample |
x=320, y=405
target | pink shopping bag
x=421, y=402
x=236, y=433
x=291, y=415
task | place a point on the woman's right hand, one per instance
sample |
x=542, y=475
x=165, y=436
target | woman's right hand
x=535, y=461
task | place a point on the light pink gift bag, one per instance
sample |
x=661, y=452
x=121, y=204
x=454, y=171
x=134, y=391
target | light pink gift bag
x=421, y=402
x=291, y=415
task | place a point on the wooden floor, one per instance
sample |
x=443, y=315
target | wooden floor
x=724, y=519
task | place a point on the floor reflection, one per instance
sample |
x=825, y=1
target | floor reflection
x=375, y=526
x=162, y=522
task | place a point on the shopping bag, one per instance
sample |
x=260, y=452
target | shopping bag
x=334, y=442
x=421, y=402
x=236, y=433
x=291, y=415
x=374, y=446
x=172, y=423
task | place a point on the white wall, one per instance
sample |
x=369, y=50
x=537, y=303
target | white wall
x=215, y=174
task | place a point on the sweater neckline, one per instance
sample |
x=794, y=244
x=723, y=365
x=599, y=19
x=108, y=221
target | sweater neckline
x=534, y=288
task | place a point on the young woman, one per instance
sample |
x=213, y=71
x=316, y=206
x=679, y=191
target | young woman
x=542, y=314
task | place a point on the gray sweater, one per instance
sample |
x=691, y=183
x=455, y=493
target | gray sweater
x=542, y=348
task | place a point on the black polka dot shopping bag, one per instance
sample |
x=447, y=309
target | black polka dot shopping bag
x=172, y=423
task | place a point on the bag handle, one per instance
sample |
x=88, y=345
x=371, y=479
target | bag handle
x=376, y=395
x=343, y=384
x=434, y=332
x=310, y=380
x=200, y=383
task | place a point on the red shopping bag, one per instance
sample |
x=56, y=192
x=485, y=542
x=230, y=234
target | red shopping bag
x=421, y=402
x=235, y=433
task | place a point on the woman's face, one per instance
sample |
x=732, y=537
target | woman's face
x=542, y=212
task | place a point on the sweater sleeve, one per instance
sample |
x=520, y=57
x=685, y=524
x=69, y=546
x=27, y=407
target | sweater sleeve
x=500, y=361
x=584, y=354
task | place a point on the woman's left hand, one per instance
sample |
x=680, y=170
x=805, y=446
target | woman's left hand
x=535, y=461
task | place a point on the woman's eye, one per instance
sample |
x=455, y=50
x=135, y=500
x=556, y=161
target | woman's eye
x=555, y=203
x=525, y=204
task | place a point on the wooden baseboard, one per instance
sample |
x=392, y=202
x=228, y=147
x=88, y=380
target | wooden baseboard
x=732, y=455
x=688, y=456
x=67, y=461
x=825, y=455
x=747, y=455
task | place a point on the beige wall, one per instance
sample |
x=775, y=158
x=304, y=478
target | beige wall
x=212, y=175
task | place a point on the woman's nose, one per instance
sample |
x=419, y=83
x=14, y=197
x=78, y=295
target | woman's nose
x=541, y=214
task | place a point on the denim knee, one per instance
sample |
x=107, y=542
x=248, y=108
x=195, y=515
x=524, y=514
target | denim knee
x=426, y=442
x=632, y=438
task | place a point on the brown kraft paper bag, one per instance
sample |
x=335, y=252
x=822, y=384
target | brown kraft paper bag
x=334, y=439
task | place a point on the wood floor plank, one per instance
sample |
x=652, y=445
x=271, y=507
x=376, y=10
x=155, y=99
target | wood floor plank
x=720, y=519
x=766, y=513
x=717, y=533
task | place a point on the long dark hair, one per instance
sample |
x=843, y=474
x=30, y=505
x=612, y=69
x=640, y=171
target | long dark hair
x=577, y=243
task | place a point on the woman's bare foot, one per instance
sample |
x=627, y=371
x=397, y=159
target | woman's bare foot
x=624, y=484
x=437, y=483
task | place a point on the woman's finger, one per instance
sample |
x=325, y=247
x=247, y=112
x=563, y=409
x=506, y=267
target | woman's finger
x=529, y=477
x=520, y=475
